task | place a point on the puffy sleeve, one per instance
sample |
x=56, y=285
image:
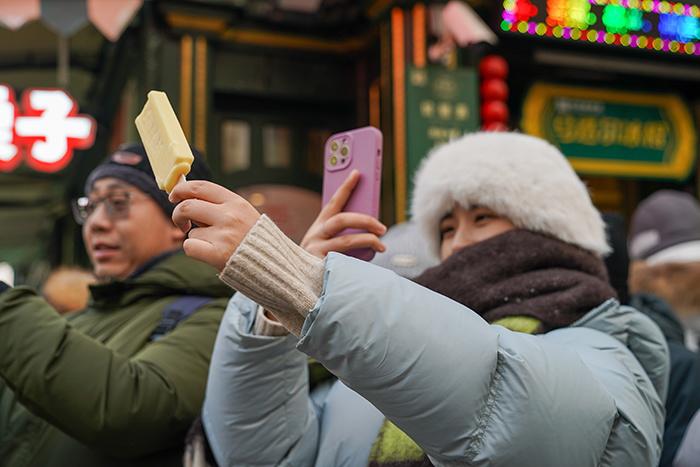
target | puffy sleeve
x=257, y=409
x=464, y=390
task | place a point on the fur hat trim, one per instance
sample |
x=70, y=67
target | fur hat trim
x=520, y=177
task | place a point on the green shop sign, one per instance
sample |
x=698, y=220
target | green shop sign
x=441, y=105
x=615, y=133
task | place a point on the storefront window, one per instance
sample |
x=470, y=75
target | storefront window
x=314, y=157
x=277, y=146
x=235, y=146
x=292, y=208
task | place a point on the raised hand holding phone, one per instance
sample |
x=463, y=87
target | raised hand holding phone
x=357, y=150
x=322, y=237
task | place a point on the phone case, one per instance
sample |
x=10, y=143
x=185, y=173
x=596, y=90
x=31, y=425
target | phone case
x=359, y=149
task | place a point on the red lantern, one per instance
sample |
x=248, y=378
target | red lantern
x=494, y=90
x=494, y=111
x=494, y=93
x=493, y=66
x=495, y=126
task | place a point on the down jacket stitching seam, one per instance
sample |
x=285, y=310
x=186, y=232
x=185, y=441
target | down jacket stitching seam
x=487, y=411
x=613, y=427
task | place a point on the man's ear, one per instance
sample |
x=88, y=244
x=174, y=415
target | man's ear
x=176, y=234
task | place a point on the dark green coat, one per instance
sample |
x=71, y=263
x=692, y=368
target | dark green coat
x=110, y=396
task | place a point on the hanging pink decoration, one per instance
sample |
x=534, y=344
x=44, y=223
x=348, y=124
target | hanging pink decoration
x=111, y=17
x=15, y=13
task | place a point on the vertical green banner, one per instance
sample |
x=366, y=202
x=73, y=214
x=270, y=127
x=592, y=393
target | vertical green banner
x=441, y=105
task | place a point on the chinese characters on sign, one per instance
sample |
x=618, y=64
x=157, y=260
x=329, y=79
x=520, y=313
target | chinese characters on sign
x=613, y=132
x=440, y=105
x=8, y=151
x=45, y=133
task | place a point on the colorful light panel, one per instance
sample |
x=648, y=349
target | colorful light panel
x=662, y=26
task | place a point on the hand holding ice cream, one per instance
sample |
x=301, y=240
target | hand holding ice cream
x=222, y=217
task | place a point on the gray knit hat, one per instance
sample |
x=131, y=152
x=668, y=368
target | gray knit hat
x=666, y=228
x=407, y=252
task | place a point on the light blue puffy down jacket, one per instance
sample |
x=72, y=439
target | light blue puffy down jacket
x=467, y=392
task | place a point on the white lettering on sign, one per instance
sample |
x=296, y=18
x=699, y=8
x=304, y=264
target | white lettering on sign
x=8, y=151
x=48, y=130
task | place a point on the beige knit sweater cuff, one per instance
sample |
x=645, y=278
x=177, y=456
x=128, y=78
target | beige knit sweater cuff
x=264, y=326
x=276, y=273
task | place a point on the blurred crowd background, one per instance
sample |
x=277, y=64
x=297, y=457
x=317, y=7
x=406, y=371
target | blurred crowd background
x=259, y=85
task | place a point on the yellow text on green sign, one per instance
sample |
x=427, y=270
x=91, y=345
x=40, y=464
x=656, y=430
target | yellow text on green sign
x=611, y=132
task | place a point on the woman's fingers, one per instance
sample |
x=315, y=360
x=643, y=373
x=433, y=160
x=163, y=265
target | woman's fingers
x=345, y=243
x=201, y=189
x=352, y=220
x=200, y=212
x=181, y=221
x=213, y=245
x=206, y=234
x=202, y=251
x=341, y=196
x=197, y=211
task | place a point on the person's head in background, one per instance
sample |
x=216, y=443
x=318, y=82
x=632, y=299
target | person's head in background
x=515, y=229
x=664, y=249
x=66, y=288
x=125, y=216
x=407, y=252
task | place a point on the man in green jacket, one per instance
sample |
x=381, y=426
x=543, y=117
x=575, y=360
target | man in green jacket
x=118, y=383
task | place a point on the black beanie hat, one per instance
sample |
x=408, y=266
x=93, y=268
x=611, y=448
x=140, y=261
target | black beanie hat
x=130, y=164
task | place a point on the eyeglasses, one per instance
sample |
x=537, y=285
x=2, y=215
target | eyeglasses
x=116, y=204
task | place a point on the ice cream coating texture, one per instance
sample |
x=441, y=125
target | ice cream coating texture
x=166, y=146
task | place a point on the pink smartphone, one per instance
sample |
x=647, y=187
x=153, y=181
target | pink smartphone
x=359, y=149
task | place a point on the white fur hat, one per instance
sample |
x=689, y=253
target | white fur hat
x=520, y=177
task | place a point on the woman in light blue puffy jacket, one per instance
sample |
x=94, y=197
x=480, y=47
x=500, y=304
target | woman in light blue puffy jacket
x=512, y=351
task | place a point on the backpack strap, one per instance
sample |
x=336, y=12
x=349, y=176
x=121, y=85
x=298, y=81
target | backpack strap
x=179, y=310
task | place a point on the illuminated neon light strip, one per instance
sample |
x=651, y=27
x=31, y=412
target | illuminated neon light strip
x=510, y=23
x=653, y=6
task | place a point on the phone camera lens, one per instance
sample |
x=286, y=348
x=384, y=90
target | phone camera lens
x=334, y=146
x=334, y=160
x=344, y=151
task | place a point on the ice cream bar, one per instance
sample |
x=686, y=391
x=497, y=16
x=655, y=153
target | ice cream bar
x=167, y=148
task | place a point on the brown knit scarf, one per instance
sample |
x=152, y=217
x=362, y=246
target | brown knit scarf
x=523, y=273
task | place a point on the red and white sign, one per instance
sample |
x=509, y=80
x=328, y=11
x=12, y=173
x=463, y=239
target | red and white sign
x=46, y=133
